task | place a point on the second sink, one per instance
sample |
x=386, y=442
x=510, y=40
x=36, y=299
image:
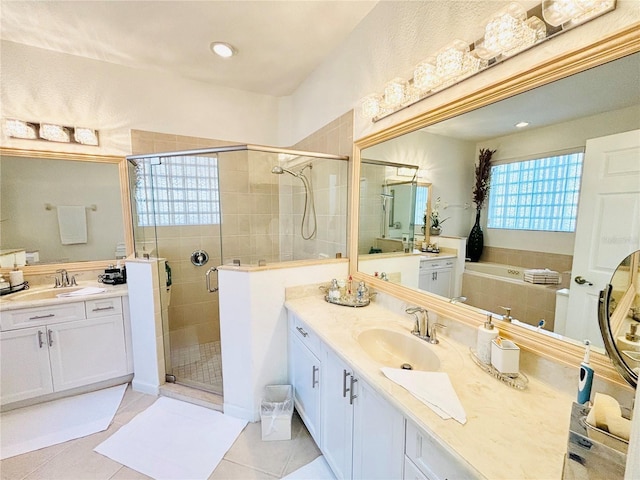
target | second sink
x=395, y=349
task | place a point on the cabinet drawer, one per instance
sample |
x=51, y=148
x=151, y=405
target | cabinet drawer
x=103, y=307
x=49, y=314
x=432, y=459
x=307, y=336
x=436, y=264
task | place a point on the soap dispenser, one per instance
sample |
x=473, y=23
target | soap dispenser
x=486, y=333
x=333, y=295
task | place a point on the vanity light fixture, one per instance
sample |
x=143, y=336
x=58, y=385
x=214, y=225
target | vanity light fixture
x=55, y=133
x=507, y=32
x=50, y=131
x=223, y=49
x=19, y=129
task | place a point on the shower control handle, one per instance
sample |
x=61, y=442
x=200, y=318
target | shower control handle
x=208, y=280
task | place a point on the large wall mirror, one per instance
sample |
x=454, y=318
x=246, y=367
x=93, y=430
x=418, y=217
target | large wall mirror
x=63, y=210
x=589, y=97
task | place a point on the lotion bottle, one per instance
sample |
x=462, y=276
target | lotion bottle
x=486, y=333
x=585, y=379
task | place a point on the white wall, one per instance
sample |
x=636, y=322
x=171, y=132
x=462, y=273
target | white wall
x=396, y=36
x=446, y=163
x=40, y=85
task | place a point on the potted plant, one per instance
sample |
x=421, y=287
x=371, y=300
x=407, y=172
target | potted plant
x=475, y=243
x=436, y=222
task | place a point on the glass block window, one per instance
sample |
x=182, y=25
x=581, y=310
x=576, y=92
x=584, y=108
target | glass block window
x=540, y=194
x=180, y=191
x=422, y=193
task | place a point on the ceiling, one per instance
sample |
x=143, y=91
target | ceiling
x=609, y=87
x=280, y=43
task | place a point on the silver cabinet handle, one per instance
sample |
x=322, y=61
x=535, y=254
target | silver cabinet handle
x=314, y=382
x=345, y=374
x=40, y=342
x=208, y=280
x=99, y=309
x=50, y=337
x=38, y=317
x=302, y=332
x=351, y=395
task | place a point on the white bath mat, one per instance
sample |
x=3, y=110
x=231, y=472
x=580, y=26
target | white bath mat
x=317, y=470
x=31, y=428
x=173, y=440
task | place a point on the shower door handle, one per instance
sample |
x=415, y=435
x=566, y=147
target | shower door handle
x=208, y=280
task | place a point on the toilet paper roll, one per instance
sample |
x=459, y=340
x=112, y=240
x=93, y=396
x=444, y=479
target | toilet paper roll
x=16, y=278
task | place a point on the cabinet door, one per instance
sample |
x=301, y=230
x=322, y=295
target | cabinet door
x=441, y=284
x=378, y=437
x=24, y=369
x=86, y=351
x=306, y=382
x=337, y=414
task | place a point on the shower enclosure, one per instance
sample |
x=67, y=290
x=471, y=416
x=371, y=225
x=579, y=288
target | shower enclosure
x=243, y=204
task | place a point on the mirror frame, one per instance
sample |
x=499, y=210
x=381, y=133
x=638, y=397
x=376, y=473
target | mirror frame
x=570, y=353
x=123, y=174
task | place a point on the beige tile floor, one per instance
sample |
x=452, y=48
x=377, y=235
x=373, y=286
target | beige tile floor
x=248, y=458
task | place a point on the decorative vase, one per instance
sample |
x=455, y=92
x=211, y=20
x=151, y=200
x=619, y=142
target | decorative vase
x=435, y=231
x=475, y=242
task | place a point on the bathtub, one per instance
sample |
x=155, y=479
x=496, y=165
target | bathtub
x=496, y=270
x=492, y=286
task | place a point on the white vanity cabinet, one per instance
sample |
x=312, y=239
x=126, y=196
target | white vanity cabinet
x=362, y=435
x=436, y=276
x=305, y=366
x=59, y=347
x=427, y=459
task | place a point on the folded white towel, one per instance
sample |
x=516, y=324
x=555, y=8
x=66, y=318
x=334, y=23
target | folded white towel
x=72, y=222
x=434, y=389
x=83, y=291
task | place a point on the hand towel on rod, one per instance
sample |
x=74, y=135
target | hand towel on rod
x=72, y=222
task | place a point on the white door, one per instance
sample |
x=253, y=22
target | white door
x=25, y=371
x=306, y=382
x=608, y=226
x=337, y=415
x=87, y=351
x=378, y=437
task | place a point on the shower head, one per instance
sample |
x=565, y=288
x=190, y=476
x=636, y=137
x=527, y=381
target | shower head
x=278, y=170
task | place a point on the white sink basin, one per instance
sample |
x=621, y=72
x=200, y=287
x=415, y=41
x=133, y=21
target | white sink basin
x=40, y=294
x=395, y=349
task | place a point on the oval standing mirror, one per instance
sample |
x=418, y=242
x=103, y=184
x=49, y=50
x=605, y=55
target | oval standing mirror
x=619, y=318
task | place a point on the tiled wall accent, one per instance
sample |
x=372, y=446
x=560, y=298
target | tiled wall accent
x=526, y=258
x=335, y=137
x=529, y=303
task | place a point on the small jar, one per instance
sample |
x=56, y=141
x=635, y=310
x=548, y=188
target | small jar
x=334, y=291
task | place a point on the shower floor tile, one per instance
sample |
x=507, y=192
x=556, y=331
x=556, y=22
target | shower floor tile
x=200, y=364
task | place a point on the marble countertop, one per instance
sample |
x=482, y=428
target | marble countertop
x=509, y=433
x=28, y=298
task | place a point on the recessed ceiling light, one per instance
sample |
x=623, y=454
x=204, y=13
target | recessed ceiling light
x=222, y=49
x=522, y=124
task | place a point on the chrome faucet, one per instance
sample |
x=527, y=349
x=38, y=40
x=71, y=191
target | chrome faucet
x=458, y=299
x=64, y=281
x=421, y=328
x=507, y=317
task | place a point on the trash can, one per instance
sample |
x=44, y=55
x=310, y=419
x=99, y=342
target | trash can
x=276, y=411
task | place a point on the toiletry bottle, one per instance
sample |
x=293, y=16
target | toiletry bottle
x=334, y=291
x=362, y=295
x=486, y=333
x=16, y=277
x=585, y=379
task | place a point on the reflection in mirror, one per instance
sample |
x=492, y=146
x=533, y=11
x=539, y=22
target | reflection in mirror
x=620, y=317
x=564, y=117
x=60, y=210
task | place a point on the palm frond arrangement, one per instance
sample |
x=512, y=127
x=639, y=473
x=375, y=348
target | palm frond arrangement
x=483, y=177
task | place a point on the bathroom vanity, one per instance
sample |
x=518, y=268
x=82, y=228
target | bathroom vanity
x=52, y=346
x=369, y=427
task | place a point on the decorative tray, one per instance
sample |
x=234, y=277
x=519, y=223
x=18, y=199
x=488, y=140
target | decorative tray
x=14, y=289
x=347, y=302
x=518, y=381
